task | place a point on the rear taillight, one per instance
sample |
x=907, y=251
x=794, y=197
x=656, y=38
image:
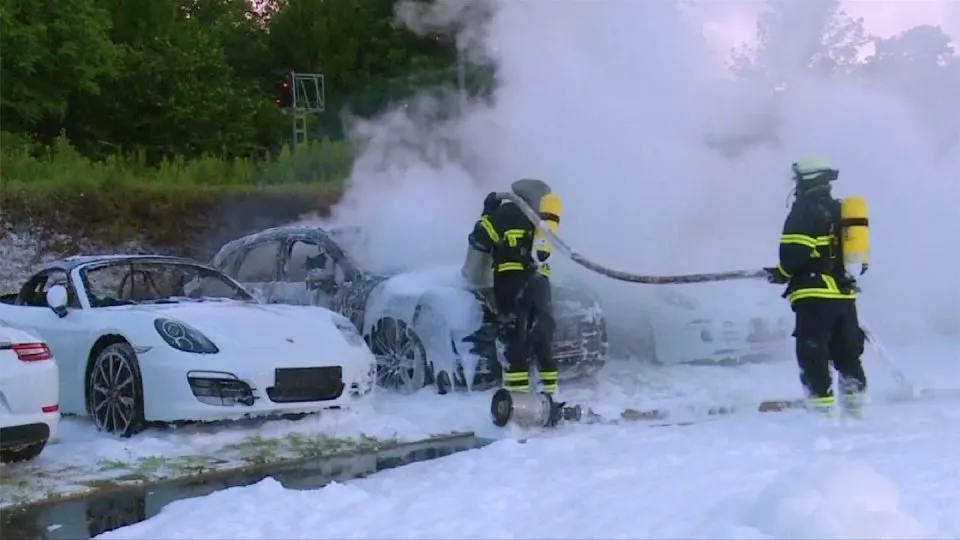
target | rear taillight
x=50, y=408
x=31, y=352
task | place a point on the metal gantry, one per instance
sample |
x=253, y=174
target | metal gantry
x=307, y=93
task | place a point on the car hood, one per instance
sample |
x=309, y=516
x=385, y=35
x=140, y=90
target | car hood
x=417, y=282
x=254, y=325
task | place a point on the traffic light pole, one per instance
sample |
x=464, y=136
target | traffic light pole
x=306, y=96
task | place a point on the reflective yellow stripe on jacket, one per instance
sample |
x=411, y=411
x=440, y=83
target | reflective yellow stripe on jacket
x=830, y=289
x=512, y=237
x=488, y=227
x=812, y=242
x=544, y=269
x=803, y=240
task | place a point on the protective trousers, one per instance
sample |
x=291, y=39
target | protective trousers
x=829, y=330
x=525, y=311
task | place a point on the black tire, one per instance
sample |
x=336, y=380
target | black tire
x=24, y=453
x=401, y=356
x=115, y=403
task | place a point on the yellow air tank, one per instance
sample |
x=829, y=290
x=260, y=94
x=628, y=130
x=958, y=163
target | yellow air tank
x=550, y=208
x=855, y=233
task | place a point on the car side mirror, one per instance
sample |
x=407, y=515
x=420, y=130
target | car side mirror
x=57, y=300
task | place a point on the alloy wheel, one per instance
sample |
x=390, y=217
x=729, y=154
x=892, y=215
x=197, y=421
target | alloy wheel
x=113, y=404
x=400, y=356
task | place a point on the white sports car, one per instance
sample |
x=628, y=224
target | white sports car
x=29, y=395
x=146, y=338
x=730, y=323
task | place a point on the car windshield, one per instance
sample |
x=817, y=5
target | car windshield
x=138, y=282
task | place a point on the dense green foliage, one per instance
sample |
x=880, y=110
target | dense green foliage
x=59, y=165
x=167, y=82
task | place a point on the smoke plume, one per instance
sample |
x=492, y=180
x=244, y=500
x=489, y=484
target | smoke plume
x=666, y=162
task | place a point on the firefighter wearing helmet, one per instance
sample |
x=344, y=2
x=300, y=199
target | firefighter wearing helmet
x=519, y=254
x=821, y=235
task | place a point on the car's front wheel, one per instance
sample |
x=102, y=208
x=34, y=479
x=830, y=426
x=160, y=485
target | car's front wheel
x=115, y=391
x=401, y=357
x=24, y=453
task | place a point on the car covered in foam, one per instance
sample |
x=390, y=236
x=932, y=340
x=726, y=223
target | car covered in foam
x=425, y=326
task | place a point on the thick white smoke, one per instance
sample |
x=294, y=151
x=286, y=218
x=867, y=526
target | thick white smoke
x=614, y=103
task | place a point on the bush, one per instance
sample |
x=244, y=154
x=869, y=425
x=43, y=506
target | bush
x=180, y=206
x=315, y=162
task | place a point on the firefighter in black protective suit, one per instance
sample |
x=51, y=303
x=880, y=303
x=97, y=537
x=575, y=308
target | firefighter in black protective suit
x=521, y=285
x=821, y=292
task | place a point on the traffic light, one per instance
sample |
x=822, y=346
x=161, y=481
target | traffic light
x=284, y=93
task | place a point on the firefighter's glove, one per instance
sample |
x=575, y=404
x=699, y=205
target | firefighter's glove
x=863, y=268
x=774, y=275
x=491, y=202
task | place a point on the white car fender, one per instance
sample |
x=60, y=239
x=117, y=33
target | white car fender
x=446, y=315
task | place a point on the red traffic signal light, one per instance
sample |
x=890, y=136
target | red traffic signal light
x=283, y=96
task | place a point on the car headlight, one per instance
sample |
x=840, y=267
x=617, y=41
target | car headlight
x=349, y=332
x=183, y=337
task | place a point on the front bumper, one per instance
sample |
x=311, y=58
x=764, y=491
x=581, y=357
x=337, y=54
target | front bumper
x=174, y=393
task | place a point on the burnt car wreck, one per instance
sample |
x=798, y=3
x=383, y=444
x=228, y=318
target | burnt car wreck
x=425, y=327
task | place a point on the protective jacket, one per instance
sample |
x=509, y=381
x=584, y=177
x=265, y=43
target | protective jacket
x=507, y=234
x=811, y=256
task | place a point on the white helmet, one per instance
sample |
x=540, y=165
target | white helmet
x=814, y=170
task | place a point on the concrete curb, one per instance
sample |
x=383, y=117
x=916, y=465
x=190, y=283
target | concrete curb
x=87, y=515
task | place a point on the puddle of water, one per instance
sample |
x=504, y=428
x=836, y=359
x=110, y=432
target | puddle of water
x=86, y=517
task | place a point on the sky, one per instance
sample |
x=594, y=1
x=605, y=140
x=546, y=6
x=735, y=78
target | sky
x=727, y=23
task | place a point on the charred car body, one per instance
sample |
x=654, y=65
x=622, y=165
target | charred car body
x=425, y=327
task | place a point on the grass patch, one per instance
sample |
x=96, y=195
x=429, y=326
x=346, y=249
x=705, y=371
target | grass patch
x=255, y=450
x=112, y=465
x=62, y=167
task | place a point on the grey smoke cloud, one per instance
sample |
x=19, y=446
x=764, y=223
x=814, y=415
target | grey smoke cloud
x=614, y=103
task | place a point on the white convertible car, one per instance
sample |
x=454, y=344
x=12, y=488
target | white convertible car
x=144, y=338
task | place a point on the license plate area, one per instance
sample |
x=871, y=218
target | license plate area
x=306, y=384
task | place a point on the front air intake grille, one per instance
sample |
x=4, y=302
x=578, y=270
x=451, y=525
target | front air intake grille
x=296, y=385
x=223, y=391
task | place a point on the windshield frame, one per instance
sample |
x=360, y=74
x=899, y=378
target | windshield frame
x=240, y=292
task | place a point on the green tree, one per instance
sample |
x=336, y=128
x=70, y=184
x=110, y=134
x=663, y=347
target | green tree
x=165, y=78
x=53, y=51
x=176, y=90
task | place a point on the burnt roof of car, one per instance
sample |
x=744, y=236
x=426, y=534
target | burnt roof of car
x=288, y=229
x=272, y=232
